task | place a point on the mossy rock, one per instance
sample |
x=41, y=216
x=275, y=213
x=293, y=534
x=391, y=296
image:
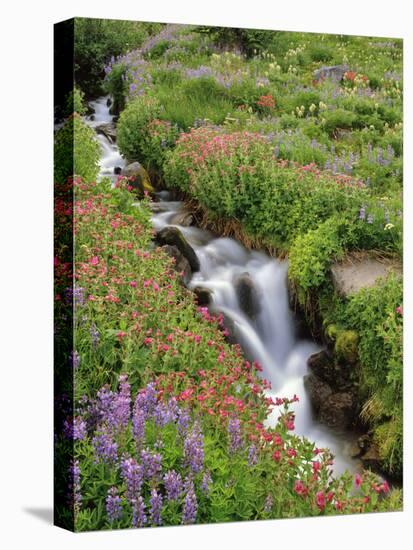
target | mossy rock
x=141, y=179
x=346, y=346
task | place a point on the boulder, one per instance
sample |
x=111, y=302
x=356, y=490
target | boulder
x=182, y=218
x=318, y=391
x=181, y=264
x=371, y=459
x=337, y=411
x=335, y=72
x=140, y=178
x=117, y=170
x=108, y=129
x=92, y=117
x=325, y=367
x=361, y=271
x=203, y=295
x=172, y=236
x=108, y=102
x=247, y=295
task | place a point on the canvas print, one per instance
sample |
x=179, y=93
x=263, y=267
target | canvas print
x=228, y=274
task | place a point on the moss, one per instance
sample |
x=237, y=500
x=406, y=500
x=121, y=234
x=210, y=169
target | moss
x=331, y=332
x=389, y=440
x=347, y=345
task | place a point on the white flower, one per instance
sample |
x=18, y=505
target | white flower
x=388, y=226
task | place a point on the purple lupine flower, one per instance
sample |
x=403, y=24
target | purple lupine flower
x=121, y=402
x=252, y=455
x=268, y=504
x=113, y=505
x=94, y=335
x=79, y=428
x=138, y=426
x=106, y=450
x=75, y=497
x=206, y=483
x=183, y=421
x=104, y=405
x=194, y=449
x=234, y=432
x=132, y=474
x=190, y=504
x=151, y=463
x=362, y=213
x=156, y=507
x=147, y=399
x=173, y=484
x=370, y=218
x=161, y=414
x=138, y=512
x=74, y=359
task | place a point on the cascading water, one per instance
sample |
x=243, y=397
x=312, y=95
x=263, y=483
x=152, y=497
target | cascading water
x=270, y=335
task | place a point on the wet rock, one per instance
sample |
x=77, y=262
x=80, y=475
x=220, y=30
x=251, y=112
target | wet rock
x=325, y=367
x=337, y=411
x=229, y=326
x=92, y=117
x=185, y=219
x=203, y=295
x=318, y=391
x=108, y=102
x=247, y=295
x=361, y=446
x=108, y=130
x=371, y=459
x=117, y=170
x=172, y=236
x=335, y=72
x=139, y=177
x=181, y=264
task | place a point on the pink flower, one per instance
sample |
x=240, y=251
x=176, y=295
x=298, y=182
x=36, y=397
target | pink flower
x=299, y=488
x=94, y=260
x=147, y=283
x=320, y=500
x=357, y=480
x=276, y=456
x=133, y=284
x=197, y=338
x=399, y=310
x=155, y=286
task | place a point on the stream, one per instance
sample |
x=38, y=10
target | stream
x=270, y=336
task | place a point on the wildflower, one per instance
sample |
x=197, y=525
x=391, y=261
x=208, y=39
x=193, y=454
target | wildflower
x=105, y=448
x=300, y=488
x=113, y=505
x=138, y=512
x=194, y=449
x=399, y=310
x=388, y=226
x=151, y=463
x=206, y=482
x=252, y=455
x=370, y=218
x=190, y=504
x=94, y=335
x=75, y=497
x=75, y=359
x=276, y=456
x=94, y=260
x=362, y=213
x=320, y=500
x=357, y=480
x=234, y=432
x=79, y=428
x=132, y=474
x=173, y=484
x=156, y=507
x=268, y=504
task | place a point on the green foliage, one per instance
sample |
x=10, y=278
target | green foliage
x=321, y=53
x=338, y=119
x=75, y=102
x=117, y=86
x=76, y=151
x=346, y=345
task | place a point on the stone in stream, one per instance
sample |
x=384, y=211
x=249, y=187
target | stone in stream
x=335, y=72
x=108, y=102
x=108, y=129
x=247, y=295
x=327, y=369
x=172, y=236
x=317, y=390
x=140, y=178
x=203, y=295
x=181, y=263
x=117, y=170
x=185, y=219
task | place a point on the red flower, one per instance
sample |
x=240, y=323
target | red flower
x=300, y=488
x=320, y=500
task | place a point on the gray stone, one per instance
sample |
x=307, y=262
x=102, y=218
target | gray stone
x=182, y=218
x=325, y=367
x=139, y=177
x=203, y=295
x=318, y=391
x=247, y=295
x=337, y=411
x=361, y=271
x=108, y=129
x=172, y=236
x=335, y=72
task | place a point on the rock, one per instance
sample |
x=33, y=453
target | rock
x=108, y=130
x=92, y=117
x=181, y=263
x=108, y=102
x=141, y=180
x=182, y=218
x=229, y=326
x=335, y=72
x=172, y=236
x=355, y=450
x=371, y=458
x=247, y=295
x=117, y=170
x=361, y=271
x=346, y=346
x=325, y=367
x=337, y=411
x=318, y=391
x=203, y=295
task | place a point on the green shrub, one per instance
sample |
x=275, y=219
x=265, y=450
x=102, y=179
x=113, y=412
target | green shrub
x=346, y=345
x=132, y=135
x=319, y=53
x=75, y=102
x=76, y=151
x=116, y=85
x=338, y=119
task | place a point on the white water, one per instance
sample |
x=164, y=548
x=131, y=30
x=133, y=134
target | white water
x=271, y=338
